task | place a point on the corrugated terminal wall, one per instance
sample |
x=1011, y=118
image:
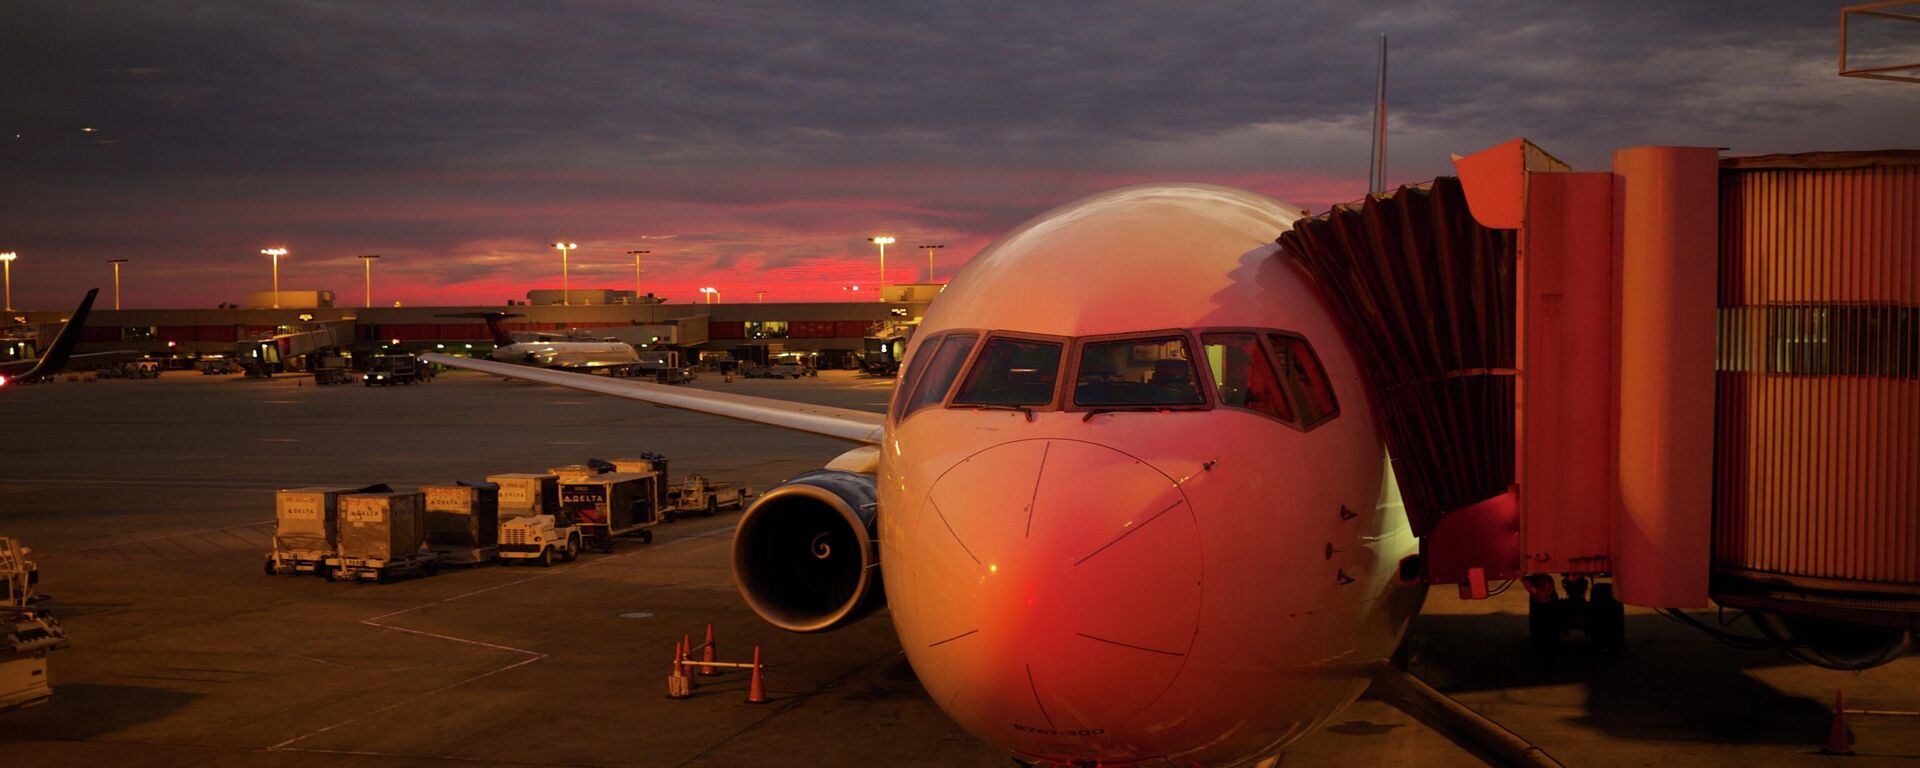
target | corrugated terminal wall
x=1817, y=466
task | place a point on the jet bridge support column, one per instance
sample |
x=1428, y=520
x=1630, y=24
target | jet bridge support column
x=1667, y=217
x=1615, y=324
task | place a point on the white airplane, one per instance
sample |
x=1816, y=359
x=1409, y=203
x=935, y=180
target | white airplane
x=554, y=353
x=1130, y=504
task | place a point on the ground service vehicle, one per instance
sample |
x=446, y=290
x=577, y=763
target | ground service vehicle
x=539, y=538
x=885, y=349
x=786, y=365
x=395, y=369
x=329, y=369
x=697, y=495
x=26, y=634
x=662, y=366
x=217, y=366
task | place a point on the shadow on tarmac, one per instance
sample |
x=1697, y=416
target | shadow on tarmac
x=1657, y=689
x=89, y=711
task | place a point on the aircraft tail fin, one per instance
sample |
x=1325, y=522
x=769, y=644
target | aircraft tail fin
x=496, y=324
x=61, y=349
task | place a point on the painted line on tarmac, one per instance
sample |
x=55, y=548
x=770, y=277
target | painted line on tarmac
x=531, y=655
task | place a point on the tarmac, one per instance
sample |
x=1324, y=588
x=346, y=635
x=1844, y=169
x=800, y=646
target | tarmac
x=149, y=505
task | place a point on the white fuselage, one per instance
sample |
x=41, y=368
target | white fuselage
x=1195, y=586
x=567, y=354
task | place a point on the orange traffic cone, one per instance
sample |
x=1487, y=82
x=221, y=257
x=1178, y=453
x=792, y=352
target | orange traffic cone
x=677, y=681
x=686, y=660
x=757, y=689
x=1839, y=737
x=710, y=655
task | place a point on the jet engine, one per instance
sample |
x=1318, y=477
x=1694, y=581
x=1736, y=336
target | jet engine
x=805, y=555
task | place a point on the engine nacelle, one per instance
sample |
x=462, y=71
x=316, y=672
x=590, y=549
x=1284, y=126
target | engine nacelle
x=804, y=554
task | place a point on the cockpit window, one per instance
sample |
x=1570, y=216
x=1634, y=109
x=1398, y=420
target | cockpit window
x=1012, y=371
x=1244, y=376
x=1154, y=371
x=928, y=382
x=1301, y=371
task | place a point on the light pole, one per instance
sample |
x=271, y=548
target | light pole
x=882, y=241
x=7, y=260
x=367, y=259
x=116, y=280
x=276, y=253
x=636, y=272
x=930, y=249
x=760, y=296
x=712, y=294
x=567, y=294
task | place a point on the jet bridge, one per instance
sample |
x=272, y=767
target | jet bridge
x=1693, y=375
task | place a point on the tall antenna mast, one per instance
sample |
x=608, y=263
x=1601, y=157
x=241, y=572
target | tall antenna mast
x=1377, y=166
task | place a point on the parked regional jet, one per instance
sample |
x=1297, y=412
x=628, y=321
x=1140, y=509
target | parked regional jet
x=60, y=353
x=1133, y=506
x=554, y=353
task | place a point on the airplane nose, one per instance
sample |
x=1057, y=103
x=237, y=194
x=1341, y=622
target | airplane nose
x=1063, y=583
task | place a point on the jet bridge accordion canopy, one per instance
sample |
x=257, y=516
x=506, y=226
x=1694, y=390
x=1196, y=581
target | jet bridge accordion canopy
x=1425, y=294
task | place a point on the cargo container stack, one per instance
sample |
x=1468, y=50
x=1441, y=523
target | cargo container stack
x=306, y=528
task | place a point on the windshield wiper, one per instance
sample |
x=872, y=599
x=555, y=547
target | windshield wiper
x=1118, y=409
x=998, y=407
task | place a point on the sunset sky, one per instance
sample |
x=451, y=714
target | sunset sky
x=754, y=146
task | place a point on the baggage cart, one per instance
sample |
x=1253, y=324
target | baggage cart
x=463, y=522
x=382, y=535
x=306, y=527
x=649, y=462
x=612, y=505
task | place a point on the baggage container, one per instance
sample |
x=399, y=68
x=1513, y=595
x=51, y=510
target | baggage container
x=610, y=505
x=573, y=473
x=306, y=527
x=463, y=521
x=382, y=526
x=648, y=462
x=381, y=535
x=525, y=494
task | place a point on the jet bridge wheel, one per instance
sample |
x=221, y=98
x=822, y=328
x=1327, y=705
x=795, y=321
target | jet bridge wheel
x=1545, y=623
x=1606, y=620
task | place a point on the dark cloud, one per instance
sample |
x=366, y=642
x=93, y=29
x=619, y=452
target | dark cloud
x=458, y=128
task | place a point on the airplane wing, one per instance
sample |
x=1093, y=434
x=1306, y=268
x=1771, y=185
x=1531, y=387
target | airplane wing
x=863, y=427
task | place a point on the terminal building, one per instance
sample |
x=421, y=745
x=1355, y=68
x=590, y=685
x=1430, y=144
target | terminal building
x=836, y=331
